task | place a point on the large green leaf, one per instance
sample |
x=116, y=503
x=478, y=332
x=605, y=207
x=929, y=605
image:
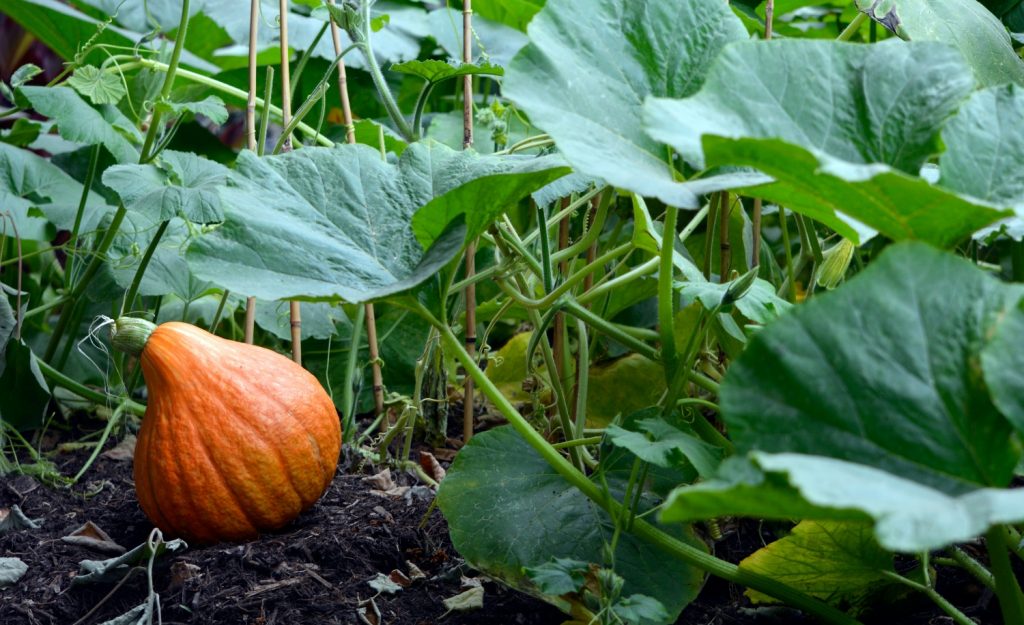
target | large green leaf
x=875, y=104
x=77, y=121
x=28, y=180
x=335, y=223
x=178, y=184
x=496, y=185
x=966, y=24
x=433, y=70
x=19, y=370
x=896, y=389
x=850, y=140
x=508, y=509
x=908, y=516
x=984, y=155
x=590, y=64
x=514, y=13
x=856, y=200
x=838, y=562
x=1002, y=361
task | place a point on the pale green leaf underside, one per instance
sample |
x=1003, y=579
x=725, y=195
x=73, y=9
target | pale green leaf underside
x=908, y=516
x=847, y=197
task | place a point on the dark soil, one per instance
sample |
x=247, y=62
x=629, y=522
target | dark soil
x=316, y=570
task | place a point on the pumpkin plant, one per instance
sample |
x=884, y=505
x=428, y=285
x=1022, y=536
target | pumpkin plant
x=236, y=440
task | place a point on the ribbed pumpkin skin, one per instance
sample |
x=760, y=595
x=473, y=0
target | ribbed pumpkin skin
x=236, y=439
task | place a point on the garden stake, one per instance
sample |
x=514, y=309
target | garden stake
x=250, y=133
x=294, y=308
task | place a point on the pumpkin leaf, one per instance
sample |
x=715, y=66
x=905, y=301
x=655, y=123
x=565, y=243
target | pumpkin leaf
x=815, y=146
x=19, y=369
x=338, y=223
x=63, y=28
x=663, y=444
x=318, y=319
x=433, y=70
x=835, y=561
x=211, y=107
x=113, y=569
x=179, y=184
x=1002, y=362
x=79, y=122
x=11, y=570
x=984, y=155
x=906, y=401
x=921, y=83
x=28, y=180
x=514, y=13
x=965, y=24
x=663, y=48
x=21, y=133
x=100, y=87
x=891, y=409
x=508, y=509
x=558, y=577
x=908, y=516
x=856, y=200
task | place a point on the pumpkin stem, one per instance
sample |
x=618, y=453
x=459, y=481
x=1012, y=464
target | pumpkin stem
x=129, y=334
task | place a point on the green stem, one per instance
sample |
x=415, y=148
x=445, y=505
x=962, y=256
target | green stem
x=1017, y=260
x=133, y=290
x=666, y=295
x=231, y=91
x=788, y=250
x=348, y=396
x=958, y=617
x=165, y=92
x=90, y=175
x=306, y=54
x=678, y=549
x=363, y=37
x=973, y=567
x=85, y=392
x=268, y=92
x=112, y=422
x=90, y=270
x=549, y=300
x=852, y=27
x=1007, y=589
x=421, y=103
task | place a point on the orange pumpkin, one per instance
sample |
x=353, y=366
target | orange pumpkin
x=236, y=439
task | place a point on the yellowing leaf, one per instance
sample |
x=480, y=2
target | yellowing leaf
x=836, y=561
